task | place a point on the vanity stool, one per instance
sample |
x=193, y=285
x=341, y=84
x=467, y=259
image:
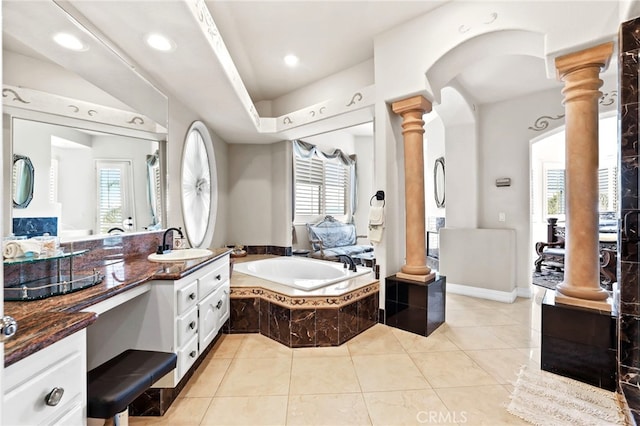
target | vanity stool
x=112, y=386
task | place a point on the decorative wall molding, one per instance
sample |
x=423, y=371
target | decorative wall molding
x=490, y=19
x=542, y=123
x=16, y=97
x=361, y=99
x=608, y=98
x=357, y=97
x=35, y=100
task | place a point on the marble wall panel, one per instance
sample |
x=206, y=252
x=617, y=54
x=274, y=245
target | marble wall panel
x=245, y=315
x=280, y=324
x=629, y=137
x=303, y=328
x=327, y=328
x=348, y=322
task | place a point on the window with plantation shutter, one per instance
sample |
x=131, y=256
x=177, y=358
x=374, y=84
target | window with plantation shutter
x=321, y=188
x=555, y=191
x=115, y=193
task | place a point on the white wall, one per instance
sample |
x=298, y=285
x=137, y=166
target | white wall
x=504, y=152
x=251, y=188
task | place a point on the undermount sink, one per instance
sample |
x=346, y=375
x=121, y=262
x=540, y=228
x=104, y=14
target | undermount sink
x=180, y=255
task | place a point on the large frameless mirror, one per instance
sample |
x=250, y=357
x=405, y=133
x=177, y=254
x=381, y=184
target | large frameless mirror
x=22, y=183
x=199, y=186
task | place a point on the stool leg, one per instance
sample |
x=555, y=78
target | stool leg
x=121, y=419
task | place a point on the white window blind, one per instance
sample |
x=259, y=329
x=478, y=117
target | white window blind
x=555, y=191
x=53, y=180
x=114, y=193
x=321, y=187
x=608, y=189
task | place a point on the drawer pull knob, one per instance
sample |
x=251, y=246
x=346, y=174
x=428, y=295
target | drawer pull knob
x=192, y=354
x=218, y=277
x=219, y=304
x=192, y=325
x=8, y=327
x=192, y=296
x=54, y=397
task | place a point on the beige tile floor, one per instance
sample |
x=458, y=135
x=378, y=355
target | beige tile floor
x=462, y=374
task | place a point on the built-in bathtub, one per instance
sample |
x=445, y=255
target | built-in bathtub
x=336, y=310
x=301, y=273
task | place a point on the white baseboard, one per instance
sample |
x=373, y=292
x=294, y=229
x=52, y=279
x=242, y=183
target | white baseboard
x=483, y=293
x=525, y=292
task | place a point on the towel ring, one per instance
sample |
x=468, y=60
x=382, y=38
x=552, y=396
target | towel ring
x=371, y=201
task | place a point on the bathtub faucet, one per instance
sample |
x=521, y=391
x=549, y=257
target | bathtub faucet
x=348, y=259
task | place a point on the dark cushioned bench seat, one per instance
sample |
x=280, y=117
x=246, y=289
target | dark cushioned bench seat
x=112, y=386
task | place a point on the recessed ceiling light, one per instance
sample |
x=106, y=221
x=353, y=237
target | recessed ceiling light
x=160, y=42
x=291, y=60
x=69, y=41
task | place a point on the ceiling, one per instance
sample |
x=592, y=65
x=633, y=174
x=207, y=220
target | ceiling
x=327, y=36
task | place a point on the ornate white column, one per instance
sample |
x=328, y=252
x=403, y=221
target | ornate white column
x=580, y=72
x=412, y=109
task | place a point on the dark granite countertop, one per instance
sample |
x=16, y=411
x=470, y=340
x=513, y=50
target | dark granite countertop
x=44, y=322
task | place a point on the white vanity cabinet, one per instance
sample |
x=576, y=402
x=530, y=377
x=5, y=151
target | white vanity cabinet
x=32, y=384
x=184, y=316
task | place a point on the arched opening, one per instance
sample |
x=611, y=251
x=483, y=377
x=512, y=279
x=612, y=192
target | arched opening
x=547, y=195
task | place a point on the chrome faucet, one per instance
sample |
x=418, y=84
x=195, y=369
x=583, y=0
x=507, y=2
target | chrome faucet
x=348, y=259
x=164, y=248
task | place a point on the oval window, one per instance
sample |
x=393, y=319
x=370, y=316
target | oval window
x=199, y=186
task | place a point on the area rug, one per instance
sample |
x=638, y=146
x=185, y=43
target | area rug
x=547, y=278
x=543, y=398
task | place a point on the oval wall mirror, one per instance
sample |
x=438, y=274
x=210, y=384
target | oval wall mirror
x=23, y=175
x=199, y=186
x=438, y=182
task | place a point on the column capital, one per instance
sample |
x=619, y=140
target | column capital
x=597, y=56
x=412, y=104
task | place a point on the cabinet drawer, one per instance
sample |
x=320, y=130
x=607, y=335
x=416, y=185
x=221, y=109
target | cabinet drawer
x=187, y=326
x=187, y=356
x=29, y=382
x=213, y=279
x=187, y=297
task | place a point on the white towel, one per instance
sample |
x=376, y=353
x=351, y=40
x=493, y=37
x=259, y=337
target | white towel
x=376, y=224
x=11, y=249
x=376, y=216
x=375, y=233
x=18, y=248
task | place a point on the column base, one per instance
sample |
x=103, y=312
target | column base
x=600, y=305
x=420, y=278
x=414, y=306
x=579, y=343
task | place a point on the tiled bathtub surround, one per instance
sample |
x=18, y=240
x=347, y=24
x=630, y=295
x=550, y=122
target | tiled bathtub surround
x=629, y=322
x=303, y=319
